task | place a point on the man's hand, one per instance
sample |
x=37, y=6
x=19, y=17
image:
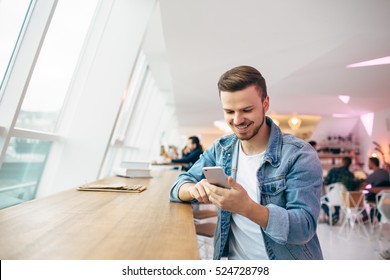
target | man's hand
x=233, y=200
x=190, y=191
x=238, y=201
x=198, y=192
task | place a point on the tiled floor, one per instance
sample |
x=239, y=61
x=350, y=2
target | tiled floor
x=355, y=245
x=336, y=244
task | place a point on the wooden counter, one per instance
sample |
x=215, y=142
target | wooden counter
x=101, y=225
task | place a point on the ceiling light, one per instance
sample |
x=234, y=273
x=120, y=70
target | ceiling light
x=294, y=123
x=344, y=98
x=340, y=116
x=373, y=62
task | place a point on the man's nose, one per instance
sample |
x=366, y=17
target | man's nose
x=238, y=119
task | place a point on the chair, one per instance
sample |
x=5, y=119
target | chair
x=205, y=217
x=383, y=207
x=204, y=214
x=333, y=197
x=353, y=205
x=205, y=234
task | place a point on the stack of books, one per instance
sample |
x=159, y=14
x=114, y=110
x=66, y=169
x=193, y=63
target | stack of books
x=112, y=188
x=134, y=169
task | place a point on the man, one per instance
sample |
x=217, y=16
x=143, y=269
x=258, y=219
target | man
x=339, y=175
x=194, y=150
x=379, y=177
x=271, y=210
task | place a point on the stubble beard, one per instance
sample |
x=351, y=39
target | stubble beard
x=249, y=137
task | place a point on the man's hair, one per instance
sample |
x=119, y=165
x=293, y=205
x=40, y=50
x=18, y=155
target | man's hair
x=375, y=161
x=312, y=142
x=347, y=161
x=195, y=140
x=240, y=78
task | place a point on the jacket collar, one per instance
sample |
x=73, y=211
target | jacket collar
x=274, y=148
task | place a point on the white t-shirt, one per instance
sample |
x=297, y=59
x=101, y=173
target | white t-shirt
x=246, y=239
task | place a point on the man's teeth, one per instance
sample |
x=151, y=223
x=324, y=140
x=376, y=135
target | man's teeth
x=242, y=126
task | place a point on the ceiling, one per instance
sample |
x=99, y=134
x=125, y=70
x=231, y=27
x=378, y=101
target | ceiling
x=301, y=47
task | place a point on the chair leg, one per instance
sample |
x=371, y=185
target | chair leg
x=380, y=231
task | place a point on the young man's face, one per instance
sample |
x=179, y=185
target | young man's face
x=244, y=111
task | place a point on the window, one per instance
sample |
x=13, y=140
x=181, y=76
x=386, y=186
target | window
x=24, y=148
x=57, y=61
x=13, y=19
x=138, y=135
x=22, y=169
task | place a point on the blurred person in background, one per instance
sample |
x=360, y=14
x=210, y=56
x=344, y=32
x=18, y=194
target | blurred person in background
x=194, y=150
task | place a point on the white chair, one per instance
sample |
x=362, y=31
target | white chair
x=333, y=197
x=383, y=207
x=353, y=204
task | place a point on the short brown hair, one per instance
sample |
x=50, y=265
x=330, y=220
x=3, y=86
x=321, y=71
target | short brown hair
x=239, y=78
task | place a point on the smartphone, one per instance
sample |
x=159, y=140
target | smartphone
x=216, y=176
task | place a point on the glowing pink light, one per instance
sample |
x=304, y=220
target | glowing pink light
x=368, y=122
x=344, y=98
x=340, y=116
x=373, y=62
x=369, y=186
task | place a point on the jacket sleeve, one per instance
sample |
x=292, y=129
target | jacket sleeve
x=296, y=223
x=193, y=175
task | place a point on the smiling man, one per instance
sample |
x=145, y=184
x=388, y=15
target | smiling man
x=271, y=209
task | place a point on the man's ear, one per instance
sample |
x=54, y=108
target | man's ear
x=266, y=104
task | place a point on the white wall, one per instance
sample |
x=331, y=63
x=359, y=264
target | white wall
x=329, y=126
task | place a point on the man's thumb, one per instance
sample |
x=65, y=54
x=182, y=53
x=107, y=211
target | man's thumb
x=233, y=184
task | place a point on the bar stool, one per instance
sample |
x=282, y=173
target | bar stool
x=204, y=214
x=205, y=236
x=205, y=218
x=205, y=229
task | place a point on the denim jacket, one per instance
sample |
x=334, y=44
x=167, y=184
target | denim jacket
x=290, y=183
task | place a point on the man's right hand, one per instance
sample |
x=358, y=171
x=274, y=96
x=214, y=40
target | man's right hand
x=189, y=191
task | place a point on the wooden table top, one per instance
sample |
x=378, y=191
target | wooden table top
x=102, y=225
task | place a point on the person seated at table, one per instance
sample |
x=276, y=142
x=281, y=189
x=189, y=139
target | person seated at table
x=172, y=152
x=378, y=180
x=339, y=175
x=194, y=151
x=380, y=176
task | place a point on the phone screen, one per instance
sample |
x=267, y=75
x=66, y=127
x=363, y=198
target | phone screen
x=216, y=176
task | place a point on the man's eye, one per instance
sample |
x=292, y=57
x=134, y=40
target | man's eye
x=247, y=110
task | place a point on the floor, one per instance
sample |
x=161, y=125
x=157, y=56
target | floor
x=354, y=244
x=337, y=242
